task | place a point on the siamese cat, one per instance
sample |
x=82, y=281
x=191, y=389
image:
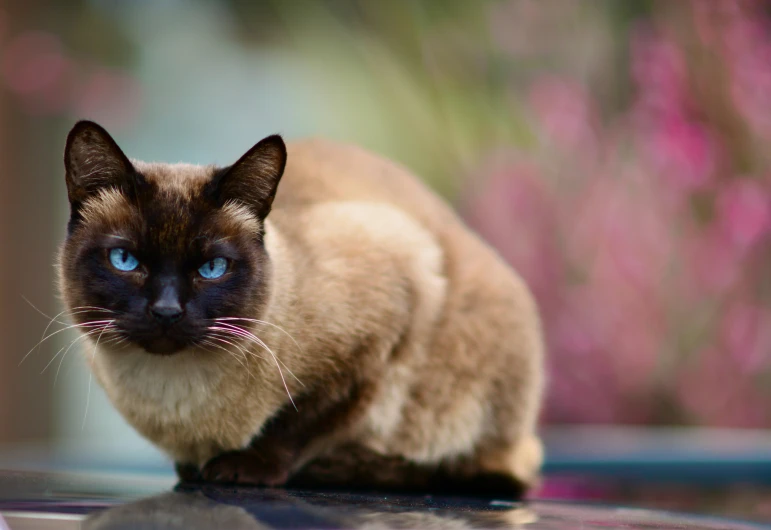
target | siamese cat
x=343, y=328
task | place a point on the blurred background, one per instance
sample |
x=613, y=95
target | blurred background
x=617, y=153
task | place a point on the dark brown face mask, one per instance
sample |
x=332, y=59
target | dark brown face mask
x=165, y=261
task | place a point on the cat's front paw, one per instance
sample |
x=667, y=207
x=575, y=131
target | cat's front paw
x=245, y=468
x=187, y=472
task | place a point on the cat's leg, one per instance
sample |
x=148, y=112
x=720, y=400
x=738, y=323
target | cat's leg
x=521, y=460
x=289, y=439
x=356, y=466
x=187, y=472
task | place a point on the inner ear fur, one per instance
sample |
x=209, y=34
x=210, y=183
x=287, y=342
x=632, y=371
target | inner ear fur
x=253, y=179
x=93, y=161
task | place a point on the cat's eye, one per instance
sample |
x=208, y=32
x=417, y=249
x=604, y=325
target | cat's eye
x=123, y=260
x=213, y=269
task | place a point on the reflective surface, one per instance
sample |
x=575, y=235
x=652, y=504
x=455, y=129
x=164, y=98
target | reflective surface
x=63, y=501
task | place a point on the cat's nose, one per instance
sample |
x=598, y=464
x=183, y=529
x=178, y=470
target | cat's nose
x=166, y=309
x=166, y=312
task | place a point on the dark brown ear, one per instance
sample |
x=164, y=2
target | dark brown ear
x=253, y=180
x=93, y=161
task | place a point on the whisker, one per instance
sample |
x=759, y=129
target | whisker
x=94, y=308
x=246, y=334
x=200, y=344
x=91, y=376
x=71, y=311
x=91, y=332
x=221, y=336
x=222, y=320
x=242, y=363
x=241, y=350
x=85, y=324
x=61, y=361
x=265, y=322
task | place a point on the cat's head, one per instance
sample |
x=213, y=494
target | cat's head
x=162, y=250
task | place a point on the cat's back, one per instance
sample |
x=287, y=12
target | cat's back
x=487, y=308
x=320, y=171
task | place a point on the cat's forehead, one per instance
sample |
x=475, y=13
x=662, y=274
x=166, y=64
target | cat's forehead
x=173, y=210
x=184, y=180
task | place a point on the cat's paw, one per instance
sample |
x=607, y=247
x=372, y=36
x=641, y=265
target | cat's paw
x=245, y=468
x=187, y=472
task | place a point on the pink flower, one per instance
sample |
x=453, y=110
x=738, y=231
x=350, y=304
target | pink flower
x=739, y=32
x=620, y=233
x=744, y=212
x=659, y=72
x=717, y=393
x=712, y=265
x=514, y=213
x=566, y=115
x=746, y=334
x=35, y=67
x=682, y=151
x=112, y=97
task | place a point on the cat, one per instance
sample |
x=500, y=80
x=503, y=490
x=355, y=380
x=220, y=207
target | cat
x=342, y=329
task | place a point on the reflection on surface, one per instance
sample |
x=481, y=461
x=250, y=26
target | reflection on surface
x=174, y=511
x=212, y=507
x=237, y=508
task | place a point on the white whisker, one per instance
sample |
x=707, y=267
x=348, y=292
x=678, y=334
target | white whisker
x=61, y=361
x=71, y=311
x=246, y=334
x=221, y=336
x=91, y=375
x=241, y=332
x=236, y=357
x=224, y=320
x=265, y=322
x=85, y=324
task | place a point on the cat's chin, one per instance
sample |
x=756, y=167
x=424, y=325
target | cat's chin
x=162, y=346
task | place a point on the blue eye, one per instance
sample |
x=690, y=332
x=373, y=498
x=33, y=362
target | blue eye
x=214, y=268
x=123, y=260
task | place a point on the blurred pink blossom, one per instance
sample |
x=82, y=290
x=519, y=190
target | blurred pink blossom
x=739, y=31
x=648, y=262
x=515, y=213
x=706, y=391
x=681, y=151
x=620, y=232
x=711, y=264
x=748, y=48
x=746, y=334
x=659, y=72
x=678, y=148
x=112, y=97
x=744, y=211
x=566, y=114
x=35, y=67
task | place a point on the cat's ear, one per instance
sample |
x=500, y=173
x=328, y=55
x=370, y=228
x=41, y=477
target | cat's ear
x=93, y=161
x=253, y=180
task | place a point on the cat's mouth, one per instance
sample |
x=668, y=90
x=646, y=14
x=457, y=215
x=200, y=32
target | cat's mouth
x=162, y=346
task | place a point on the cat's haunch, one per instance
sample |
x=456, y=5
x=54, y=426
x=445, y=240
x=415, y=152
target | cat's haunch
x=341, y=328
